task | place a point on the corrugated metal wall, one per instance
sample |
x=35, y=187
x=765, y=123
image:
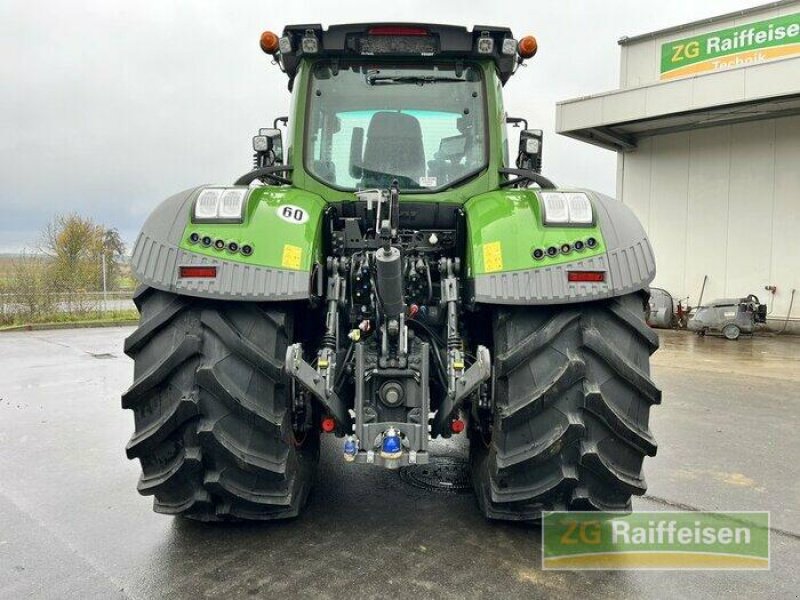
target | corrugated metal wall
x=723, y=202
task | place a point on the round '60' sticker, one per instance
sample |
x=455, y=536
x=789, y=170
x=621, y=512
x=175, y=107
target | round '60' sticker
x=292, y=214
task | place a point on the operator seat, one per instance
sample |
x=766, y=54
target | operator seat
x=394, y=145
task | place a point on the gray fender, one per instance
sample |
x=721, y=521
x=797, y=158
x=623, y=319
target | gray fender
x=628, y=262
x=157, y=256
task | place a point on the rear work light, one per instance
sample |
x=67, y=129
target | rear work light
x=485, y=43
x=586, y=276
x=309, y=44
x=199, y=272
x=396, y=30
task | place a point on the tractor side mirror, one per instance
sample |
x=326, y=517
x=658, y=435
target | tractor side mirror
x=268, y=146
x=357, y=153
x=530, y=150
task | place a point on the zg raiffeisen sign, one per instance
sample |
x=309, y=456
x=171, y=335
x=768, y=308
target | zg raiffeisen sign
x=736, y=46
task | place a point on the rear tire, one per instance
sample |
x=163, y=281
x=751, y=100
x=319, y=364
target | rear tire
x=572, y=396
x=212, y=413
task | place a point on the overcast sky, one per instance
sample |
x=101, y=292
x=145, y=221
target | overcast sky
x=107, y=107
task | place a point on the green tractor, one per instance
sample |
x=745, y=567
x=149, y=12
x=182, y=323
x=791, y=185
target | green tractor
x=384, y=275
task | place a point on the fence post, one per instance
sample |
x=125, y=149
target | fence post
x=105, y=289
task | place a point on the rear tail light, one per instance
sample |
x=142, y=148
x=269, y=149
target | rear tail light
x=199, y=272
x=396, y=30
x=586, y=276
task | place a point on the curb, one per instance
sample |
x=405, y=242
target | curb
x=68, y=325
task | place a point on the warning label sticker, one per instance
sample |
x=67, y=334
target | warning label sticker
x=493, y=257
x=291, y=256
x=428, y=182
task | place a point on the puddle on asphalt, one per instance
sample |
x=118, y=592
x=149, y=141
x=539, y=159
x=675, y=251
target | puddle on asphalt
x=764, y=354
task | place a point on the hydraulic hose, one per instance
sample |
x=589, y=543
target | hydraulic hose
x=270, y=173
x=788, y=313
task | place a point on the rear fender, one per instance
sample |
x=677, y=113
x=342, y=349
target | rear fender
x=282, y=225
x=506, y=226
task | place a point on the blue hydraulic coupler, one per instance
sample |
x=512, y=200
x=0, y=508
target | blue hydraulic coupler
x=392, y=446
x=350, y=449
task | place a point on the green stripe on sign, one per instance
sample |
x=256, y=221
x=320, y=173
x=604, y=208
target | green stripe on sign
x=770, y=33
x=655, y=540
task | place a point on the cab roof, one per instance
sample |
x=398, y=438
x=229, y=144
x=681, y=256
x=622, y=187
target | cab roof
x=397, y=40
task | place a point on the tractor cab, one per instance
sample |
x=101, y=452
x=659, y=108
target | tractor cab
x=377, y=103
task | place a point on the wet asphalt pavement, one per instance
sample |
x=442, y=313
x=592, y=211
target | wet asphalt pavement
x=73, y=526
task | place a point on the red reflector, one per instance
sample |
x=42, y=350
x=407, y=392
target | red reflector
x=457, y=425
x=200, y=272
x=395, y=30
x=328, y=424
x=591, y=276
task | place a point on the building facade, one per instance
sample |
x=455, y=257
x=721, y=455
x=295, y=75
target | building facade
x=706, y=125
